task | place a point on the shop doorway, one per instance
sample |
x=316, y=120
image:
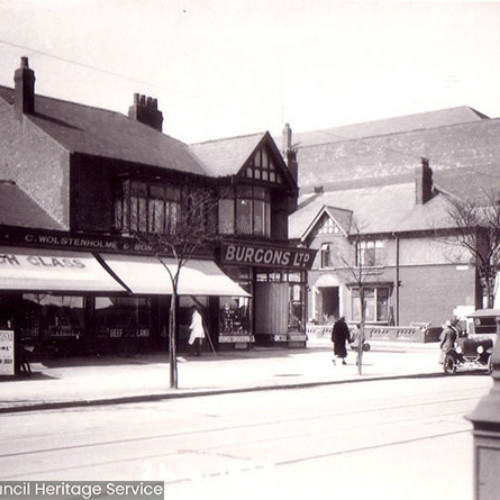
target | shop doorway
x=271, y=309
x=329, y=303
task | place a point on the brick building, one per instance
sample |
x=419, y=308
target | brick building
x=374, y=200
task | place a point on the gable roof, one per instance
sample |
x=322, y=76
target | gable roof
x=18, y=209
x=99, y=132
x=226, y=156
x=341, y=218
x=378, y=209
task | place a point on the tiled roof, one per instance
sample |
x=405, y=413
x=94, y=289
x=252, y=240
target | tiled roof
x=226, y=156
x=18, y=209
x=99, y=132
x=473, y=145
x=376, y=209
x=341, y=216
x=417, y=121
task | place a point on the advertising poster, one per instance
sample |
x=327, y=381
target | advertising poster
x=7, y=352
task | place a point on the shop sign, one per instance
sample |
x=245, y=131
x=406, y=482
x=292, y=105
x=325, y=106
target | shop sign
x=39, y=261
x=232, y=339
x=63, y=240
x=7, y=352
x=263, y=256
x=128, y=332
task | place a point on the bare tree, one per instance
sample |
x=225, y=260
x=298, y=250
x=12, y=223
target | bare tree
x=355, y=268
x=477, y=224
x=192, y=228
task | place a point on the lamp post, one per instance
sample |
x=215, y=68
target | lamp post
x=486, y=433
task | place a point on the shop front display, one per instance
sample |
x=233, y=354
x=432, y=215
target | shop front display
x=276, y=276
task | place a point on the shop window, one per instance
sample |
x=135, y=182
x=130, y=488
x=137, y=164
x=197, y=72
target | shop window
x=234, y=316
x=296, y=304
x=47, y=316
x=376, y=304
x=370, y=253
x=119, y=317
x=249, y=213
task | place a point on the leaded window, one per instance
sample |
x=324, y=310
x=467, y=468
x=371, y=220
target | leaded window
x=141, y=207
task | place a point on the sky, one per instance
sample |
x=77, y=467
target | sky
x=222, y=68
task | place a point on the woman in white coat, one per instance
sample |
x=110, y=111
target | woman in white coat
x=197, y=331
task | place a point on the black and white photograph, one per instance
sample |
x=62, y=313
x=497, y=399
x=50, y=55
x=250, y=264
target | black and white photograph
x=249, y=249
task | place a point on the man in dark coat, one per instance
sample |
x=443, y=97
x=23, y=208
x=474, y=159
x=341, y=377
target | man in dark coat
x=340, y=335
x=448, y=338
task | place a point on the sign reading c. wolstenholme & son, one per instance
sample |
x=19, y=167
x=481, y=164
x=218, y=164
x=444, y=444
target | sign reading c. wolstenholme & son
x=259, y=255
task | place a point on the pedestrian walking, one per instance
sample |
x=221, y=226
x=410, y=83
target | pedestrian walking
x=448, y=338
x=340, y=335
x=197, y=331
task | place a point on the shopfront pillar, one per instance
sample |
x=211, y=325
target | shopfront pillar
x=486, y=433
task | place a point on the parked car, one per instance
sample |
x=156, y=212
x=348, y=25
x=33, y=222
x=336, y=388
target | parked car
x=474, y=347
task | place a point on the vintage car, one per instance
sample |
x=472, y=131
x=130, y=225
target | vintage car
x=474, y=347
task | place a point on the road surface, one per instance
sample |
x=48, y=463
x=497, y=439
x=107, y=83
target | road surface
x=396, y=439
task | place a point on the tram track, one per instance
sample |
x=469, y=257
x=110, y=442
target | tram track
x=246, y=426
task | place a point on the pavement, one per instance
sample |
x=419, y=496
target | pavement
x=74, y=382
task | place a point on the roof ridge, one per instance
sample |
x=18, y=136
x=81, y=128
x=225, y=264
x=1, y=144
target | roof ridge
x=242, y=136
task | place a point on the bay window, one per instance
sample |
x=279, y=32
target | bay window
x=147, y=208
x=246, y=212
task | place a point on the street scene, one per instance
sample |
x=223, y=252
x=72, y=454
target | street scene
x=249, y=249
x=387, y=439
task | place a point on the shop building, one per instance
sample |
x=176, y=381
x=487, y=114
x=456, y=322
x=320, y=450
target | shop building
x=374, y=204
x=82, y=189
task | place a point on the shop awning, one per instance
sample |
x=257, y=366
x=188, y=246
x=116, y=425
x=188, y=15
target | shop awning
x=53, y=270
x=148, y=275
x=204, y=277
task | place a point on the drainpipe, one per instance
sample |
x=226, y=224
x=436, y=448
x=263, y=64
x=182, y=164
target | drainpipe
x=397, y=280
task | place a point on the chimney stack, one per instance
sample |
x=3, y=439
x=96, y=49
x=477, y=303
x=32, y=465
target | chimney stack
x=423, y=182
x=290, y=154
x=145, y=110
x=287, y=138
x=24, y=79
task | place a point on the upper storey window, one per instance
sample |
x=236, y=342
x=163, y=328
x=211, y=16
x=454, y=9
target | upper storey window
x=262, y=168
x=147, y=208
x=370, y=253
x=247, y=213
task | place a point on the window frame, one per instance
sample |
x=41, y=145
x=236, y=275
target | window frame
x=378, y=315
x=250, y=212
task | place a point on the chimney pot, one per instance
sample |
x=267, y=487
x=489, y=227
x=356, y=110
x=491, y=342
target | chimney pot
x=145, y=110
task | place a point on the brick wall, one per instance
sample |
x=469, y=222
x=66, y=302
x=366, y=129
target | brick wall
x=431, y=293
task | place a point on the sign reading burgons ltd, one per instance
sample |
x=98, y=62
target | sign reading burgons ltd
x=262, y=256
